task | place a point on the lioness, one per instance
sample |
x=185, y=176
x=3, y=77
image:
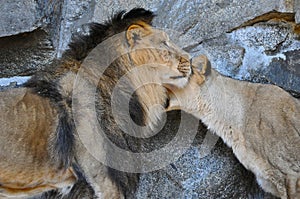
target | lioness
x=39, y=146
x=260, y=122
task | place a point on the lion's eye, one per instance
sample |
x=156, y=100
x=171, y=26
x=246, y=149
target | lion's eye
x=167, y=103
x=165, y=43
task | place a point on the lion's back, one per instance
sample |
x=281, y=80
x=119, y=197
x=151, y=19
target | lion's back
x=26, y=121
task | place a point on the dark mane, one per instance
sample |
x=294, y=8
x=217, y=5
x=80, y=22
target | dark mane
x=45, y=83
x=82, y=45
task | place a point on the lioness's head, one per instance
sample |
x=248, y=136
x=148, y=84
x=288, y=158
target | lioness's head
x=187, y=98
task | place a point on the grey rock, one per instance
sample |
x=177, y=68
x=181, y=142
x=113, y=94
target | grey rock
x=18, y=17
x=31, y=30
x=216, y=175
x=75, y=14
x=24, y=54
x=297, y=10
x=285, y=72
x=200, y=20
x=265, y=53
x=298, y=17
x=25, y=16
x=52, y=16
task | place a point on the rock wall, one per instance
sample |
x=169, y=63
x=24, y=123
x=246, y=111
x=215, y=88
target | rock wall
x=256, y=40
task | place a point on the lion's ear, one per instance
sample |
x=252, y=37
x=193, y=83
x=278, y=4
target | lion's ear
x=135, y=32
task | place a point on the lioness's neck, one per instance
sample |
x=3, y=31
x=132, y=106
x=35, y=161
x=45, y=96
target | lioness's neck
x=223, y=103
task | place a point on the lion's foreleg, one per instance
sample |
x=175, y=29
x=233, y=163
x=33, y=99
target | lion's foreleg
x=293, y=187
x=97, y=175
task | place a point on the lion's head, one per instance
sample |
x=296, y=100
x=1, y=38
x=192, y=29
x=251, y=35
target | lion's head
x=154, y=60
x=140, y=57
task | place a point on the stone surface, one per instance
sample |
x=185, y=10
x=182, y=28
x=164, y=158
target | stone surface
x=241, y=38
x=267, y=52
x=194, y=176
x=25, y=53
x=29, y=35
x=18, y=17
x=200, y=20
x=297, y=10
x=53, y=15
x=75, y=14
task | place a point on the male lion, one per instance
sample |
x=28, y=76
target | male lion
x=260, y=122
x=40, y=148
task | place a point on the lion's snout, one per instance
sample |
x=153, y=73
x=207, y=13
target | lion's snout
x=184, y=65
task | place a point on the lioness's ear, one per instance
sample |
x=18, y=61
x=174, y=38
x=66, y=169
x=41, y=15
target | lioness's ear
x=201, y=65
x=135, y=32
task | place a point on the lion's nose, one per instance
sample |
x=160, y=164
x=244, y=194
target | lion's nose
x=186, y=56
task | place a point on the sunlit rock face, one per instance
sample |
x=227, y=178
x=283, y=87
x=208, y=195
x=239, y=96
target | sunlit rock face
x=255, y=41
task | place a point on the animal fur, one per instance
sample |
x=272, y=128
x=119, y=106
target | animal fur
x=260, y=122
x=39, y=144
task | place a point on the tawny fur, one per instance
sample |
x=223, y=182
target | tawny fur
x=27, y=121
x=260, y=122
x=39, y=144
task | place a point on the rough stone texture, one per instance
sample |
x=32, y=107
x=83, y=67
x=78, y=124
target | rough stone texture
x=297, y=9
x=200, y=20
x=25, y=53
x=242, y=39
x=75, y=14
x=52, y=15
x=29, y=35
x=266, y=52
x=18, y=17
x=194, y=176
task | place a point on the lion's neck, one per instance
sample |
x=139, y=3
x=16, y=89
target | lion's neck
x=223, y=104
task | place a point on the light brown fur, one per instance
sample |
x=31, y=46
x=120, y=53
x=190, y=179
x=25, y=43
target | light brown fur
x=161, y=62
x=28, y=121
x=260, y=122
